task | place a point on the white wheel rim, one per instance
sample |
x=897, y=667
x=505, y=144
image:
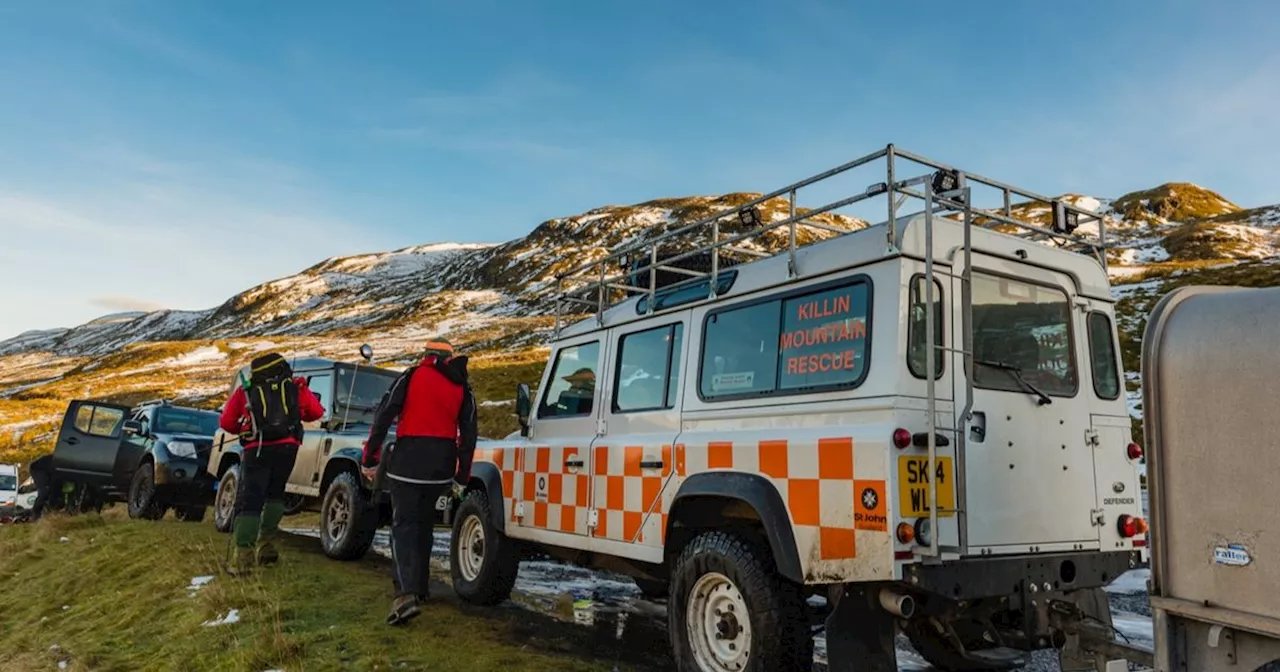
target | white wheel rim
x=227, y=498
x=719, y=625
x=471, y=548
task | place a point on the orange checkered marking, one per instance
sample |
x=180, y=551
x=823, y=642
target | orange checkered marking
x=628, y=488
x=506, y=465
x=816, y=481
x=555, y=497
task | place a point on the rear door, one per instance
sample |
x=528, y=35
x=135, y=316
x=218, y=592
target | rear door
x=1119, y=491
x=89, y=440
x=633, y=463
x=1028, y=464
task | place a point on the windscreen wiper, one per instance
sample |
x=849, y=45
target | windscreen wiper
x=1042, y=398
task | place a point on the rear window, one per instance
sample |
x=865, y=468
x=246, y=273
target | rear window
x=1102, y=353
x=812, y=341
x=917, y=350
x=1022, y=334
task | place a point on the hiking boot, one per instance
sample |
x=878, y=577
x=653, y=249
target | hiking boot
x=403, y=610
x=241, y=561
x=267, y=553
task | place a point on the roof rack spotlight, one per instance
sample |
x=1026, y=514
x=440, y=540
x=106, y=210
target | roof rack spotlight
x=1065, y=220
x=750, y=217
x=945, y=181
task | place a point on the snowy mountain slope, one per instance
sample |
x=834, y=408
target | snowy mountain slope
x=487, y=298
x=418, y=285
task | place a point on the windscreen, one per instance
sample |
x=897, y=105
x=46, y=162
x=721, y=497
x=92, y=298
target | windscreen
x=358, y=393
x=8, y=482
x=1022, y=330
x=185, y=421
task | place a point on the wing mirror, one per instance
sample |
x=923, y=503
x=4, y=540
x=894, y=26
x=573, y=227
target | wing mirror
x=524, y=405
x=132, y=427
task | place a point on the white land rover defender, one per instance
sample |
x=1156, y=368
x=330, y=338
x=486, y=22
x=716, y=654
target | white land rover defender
x=764, y=431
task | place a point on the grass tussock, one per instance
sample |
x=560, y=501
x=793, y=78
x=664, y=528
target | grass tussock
x=106, y=593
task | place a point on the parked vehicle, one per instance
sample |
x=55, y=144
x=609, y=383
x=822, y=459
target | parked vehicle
x=8, y=489
x=922, y=421
x=1214, y=567
x=326, y=475
x=151, y=456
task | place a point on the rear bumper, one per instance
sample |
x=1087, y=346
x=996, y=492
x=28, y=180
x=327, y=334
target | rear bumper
x=1000, y=576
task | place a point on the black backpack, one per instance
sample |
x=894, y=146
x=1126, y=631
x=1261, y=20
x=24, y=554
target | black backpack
x=273, y=400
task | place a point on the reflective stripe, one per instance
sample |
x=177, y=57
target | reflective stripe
x=415, y=481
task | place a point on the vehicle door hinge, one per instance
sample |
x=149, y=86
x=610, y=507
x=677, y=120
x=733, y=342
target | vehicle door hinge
x=519, y=509
x=1082, y=303
x=1091, y=438
x=1097, y=517
x=593, y=518
x=602, y=427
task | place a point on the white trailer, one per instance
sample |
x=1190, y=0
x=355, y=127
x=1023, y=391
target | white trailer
x=1211, y=381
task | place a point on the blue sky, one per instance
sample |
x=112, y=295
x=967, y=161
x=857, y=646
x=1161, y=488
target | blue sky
x=174, y=153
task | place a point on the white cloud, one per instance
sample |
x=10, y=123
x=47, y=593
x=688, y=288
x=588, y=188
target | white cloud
x=156, y=232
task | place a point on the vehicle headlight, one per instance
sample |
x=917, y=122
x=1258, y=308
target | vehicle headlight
x=182, y=449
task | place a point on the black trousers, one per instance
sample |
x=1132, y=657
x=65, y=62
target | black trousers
x=264, y=471
x=43, y=484
x=413, y=518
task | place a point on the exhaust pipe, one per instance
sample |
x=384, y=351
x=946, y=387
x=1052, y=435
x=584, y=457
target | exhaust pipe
x=902, y=606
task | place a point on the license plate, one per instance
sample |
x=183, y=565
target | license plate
x=914, y=475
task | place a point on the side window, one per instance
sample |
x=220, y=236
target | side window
x=572, y=388
x=648, y=369
x=84, y=416
x=319, y=385
x=106, y=421
x=800, y=343
x=740, y=351
x=916, y=348
x=1102, y=353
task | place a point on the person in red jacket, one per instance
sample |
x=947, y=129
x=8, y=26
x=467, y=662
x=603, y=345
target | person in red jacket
x=267, y=413
x=434, y=446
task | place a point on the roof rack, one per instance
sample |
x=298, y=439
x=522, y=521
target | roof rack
x=595, y=284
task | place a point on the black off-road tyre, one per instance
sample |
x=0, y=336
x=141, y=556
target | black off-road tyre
x=144, y=501
x=190, y=514
x=491, y=580
x=780, y=638
x=224, y=510
x=347, y=537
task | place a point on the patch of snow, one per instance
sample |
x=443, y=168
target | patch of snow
x=1125, y=291
x=231, y=617
x=199, y=356
x=63, y=540
x=197, y=582
x=1131, y=582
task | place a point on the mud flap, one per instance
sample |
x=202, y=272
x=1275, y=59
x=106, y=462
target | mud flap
x=859, y=632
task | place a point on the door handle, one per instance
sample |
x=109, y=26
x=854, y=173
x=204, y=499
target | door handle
x=73, y=440
x=574, y=464
x=651, y=464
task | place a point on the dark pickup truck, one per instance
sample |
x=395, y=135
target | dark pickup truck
x=152, y=456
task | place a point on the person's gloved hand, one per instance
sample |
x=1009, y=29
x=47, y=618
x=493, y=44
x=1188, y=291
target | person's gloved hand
x=369, y=472
x=458, y=489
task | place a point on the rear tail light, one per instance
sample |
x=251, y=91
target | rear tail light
x=901, y=438
x=1135, y=451
x=906, y=533
x=1131, y=526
